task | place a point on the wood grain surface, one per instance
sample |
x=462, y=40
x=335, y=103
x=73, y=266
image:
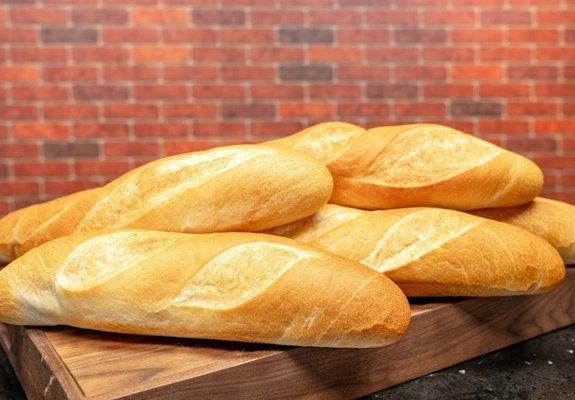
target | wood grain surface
x=62, y=362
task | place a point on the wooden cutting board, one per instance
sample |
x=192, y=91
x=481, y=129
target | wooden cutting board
x=66, y=363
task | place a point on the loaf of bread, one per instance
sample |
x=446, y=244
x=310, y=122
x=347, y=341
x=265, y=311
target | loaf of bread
x=235, y=188
x=553, y=220
x=435, y=252
x=230, y=286
x=416, y=165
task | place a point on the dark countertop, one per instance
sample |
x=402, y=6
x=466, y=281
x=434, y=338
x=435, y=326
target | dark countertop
x=541, y=368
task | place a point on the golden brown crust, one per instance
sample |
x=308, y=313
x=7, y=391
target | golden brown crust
x=228, y=286
x=234, y=188
x=553, y=220
x=435, y=252
x=417, y=165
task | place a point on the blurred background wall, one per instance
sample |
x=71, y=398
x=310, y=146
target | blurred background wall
x=91, y=88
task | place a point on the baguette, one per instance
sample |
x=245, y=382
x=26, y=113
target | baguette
x=231, y=286
x=235, y=188
x=416, y=165
x=553, y=220
x=435, y=252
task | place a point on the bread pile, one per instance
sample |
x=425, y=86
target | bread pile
x=240, y=243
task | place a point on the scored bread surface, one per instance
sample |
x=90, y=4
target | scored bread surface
x=553, y=220
x=416, y=165
x=435, y=252
x=235, y=188
x=228, y=286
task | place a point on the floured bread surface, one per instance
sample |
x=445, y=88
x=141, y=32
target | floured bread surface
x=229, y=286
x=552, y=220
x=425, y=155
x=235, y=188
x=435, y=252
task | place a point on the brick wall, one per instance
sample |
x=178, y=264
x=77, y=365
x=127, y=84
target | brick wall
x=91, y=88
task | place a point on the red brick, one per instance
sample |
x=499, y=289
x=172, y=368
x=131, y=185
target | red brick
x=419, y=109
x=504, y=54
x=135, y=73
x=277, y=91
x=359, y=35
x=8, y=188
x=529, y=108
x=27, y=54
x=166, y=16
x=554, y=90
x=521, y=144
x=477, y=35
x=449, y=54
x=98, y=130
x=569, y=108
x=67, y=187
x=501, y=126
x=220, y=129
x=506, y=17
x=130, y=110
x=17, y=35
x=100, y=92
x=392, y=17
x=448, y=91
x=445, y=17
x=362, y=109
x=503, y=90
x=220, y=17
x=39, y=15
x=195, y=35
x=555, y=17
x=18, y=150
x=40, y=130
x=254, y=110
x=416, y=72
x=277, y=54
x=218, y=54
x=246, y=35
x=131, y=149
x=160, y=92
x=532, y=72
x=179, y=146
x=339, y=53
x=569, y=72
x=100, y=16
x=18, y=112
x=64, y=111
x=280, y=17
x=131, y=35
x=190, y=110
x=363, y=72
x=73, y=148
x=99, y=168
x=392, y=53
x=160, y=53
x=105, y=53
x=334, y=91
x=160, y=129
x=533, y=35
x=555, y=53
x=20, y=73
x=305, y=110
x=41, y=169
x=190, y=73
x=334, y=17
x=275, y=129
x=420, y=35
x=482, y=72
x=40, y=93
x=248, y=73
x=555, y=162
x=70, y=73
x=216, y=91
x=555, y=126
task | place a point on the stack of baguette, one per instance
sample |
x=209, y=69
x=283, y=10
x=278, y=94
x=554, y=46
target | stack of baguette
x=240, y=243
